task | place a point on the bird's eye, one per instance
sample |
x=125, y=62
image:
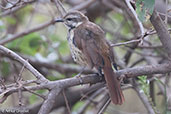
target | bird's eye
x=69, y=19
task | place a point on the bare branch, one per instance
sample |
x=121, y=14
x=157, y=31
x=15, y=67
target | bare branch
x=46, y=108
x=139, y=39
x=19, y=35
x=87, y=103
x=145, y=100
x=136, y=17
x=41, y=96
x=83, y=5
x=12, y=5
x=66, y=102
x=15, y=56
x=104, y=107
x=125, y=43
x=105, y=100
x=93, y=78
x=60, y=7
x=61, y=68
x=145, y=70
x=14, y=9
x=73, y=96
x=161, y=31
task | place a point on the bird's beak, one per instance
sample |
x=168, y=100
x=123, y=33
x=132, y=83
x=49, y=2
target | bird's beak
x=59, y=20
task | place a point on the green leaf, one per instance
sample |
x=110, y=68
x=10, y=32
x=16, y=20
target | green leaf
x=77, y=106
x=165, y=93
x=2, y=26
x=144, y=9
x=144, y=84
x=33, y=98
x=5, y=68
x=28, y=44
x=63, y=48
x=10, y=20
x=58, y=77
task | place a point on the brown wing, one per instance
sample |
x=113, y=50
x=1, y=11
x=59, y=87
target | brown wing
x=104, y=45
x=90, y=39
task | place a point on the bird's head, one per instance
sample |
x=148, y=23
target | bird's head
x=73, y=19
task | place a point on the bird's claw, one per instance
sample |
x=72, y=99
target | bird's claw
x=100, y=75
x=121, y=78
x=79, y=77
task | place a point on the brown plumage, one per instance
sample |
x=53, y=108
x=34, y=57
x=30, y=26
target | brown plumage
x=90, y=48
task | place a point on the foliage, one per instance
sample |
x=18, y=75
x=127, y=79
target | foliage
x=48, y=52
x=29, y=44
x=166, y=111
x=5, y=68
x=144, y=84
x=145, y=88
x=33, y=98
x=144, y=9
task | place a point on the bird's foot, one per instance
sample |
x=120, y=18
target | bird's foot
x=121, y=78
x=101, y=76
x=79, y=77
x=100, y=73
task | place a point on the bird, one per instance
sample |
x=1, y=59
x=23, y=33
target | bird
x=90, y=48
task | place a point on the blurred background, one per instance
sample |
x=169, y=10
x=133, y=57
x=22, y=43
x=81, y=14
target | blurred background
x=35, y=37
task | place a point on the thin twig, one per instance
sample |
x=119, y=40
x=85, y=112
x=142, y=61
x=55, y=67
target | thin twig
x=15, y=56
x=60, y=7
x=14, y=3
x=17, y=3
x=105, y=100
x=139, y=39
x=14, y=9
x=21, y=71
x=136, y=17
x=93, y=78
x=19, y=35
x=83, y=5
x=151, y=32
x=66, y=102
x=90, y=99
x=125, y=43
x=2, y=83
x=166, y=16
x=143, y=54
x=144, y=99
x=4, y=98
x=137, y=61
x=41, y=96
x=104, y=107
x=19, y=82
x=20, y=97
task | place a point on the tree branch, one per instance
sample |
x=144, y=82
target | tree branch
x=145, y=70
x=46, y=108
x=162, y=32
x=60, y=7
x=83, y=5
x=27, y=65
x=144, y=99
x=26, y=32
x=14, y=9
